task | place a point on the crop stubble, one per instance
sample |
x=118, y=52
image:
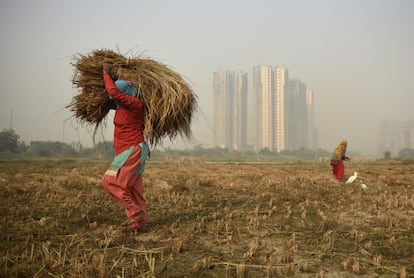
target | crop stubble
x=208, y=220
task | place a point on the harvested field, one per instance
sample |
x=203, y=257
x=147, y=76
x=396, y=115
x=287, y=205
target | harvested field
x=209, y=220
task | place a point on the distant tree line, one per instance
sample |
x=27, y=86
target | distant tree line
x=10, y=144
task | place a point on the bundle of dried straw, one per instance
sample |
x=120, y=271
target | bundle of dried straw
x=169, y=101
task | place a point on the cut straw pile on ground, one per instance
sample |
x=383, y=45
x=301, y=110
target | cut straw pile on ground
x=169, y=101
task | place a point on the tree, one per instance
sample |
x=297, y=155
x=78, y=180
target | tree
x=265, y=151
x=9, y=141
x=387, y=154
x=406, y=153
x=47, y=149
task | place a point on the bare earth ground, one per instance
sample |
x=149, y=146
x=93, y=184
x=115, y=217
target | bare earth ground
x=209, y=220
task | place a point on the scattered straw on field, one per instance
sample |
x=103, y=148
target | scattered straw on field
x=209, y=220
x=169, y=101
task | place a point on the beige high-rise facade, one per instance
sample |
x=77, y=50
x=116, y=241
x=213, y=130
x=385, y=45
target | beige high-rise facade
x=230, y=117
x=396, y=136
x=262, y=103
x=220, y=101
x=279, y=111
x=269, y=89
x=310, y=130
x=280, y=80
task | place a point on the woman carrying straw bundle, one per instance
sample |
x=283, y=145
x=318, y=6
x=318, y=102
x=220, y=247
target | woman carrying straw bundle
x=123, y=179
x=338, y=156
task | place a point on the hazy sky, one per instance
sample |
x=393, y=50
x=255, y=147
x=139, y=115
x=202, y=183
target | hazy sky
x=356, y=55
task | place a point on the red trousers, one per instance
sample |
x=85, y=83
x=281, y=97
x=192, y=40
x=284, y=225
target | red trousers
x=123, y=181
x=338, y=168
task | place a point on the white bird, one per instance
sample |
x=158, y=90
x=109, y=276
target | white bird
x=364, y=186
x=352, y=178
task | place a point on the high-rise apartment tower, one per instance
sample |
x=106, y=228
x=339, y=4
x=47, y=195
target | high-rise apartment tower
x=230, y=117
x=269, y=91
